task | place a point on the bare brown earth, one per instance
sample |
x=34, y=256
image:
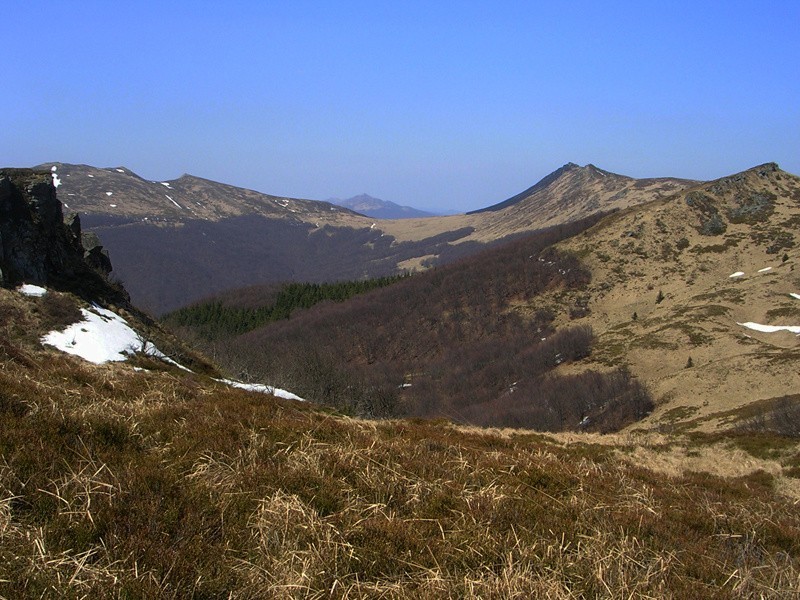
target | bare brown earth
x=662, y=293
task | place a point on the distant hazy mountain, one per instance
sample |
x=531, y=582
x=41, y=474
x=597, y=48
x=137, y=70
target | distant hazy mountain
x=380, y=209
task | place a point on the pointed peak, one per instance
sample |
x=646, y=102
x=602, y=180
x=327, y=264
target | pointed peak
x=540, y=185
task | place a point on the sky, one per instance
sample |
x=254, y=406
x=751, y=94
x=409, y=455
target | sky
x=444, y=106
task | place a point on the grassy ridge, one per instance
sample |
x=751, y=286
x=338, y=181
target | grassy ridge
x=163, y=484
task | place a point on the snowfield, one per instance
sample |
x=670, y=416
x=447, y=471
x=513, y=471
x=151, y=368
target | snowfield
x=771, y=328
x=104, y=336
x=32, y=290
x=261, y=388
x=101, y=337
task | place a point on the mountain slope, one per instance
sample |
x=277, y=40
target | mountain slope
x=573, y=192
x=446, y=342
x=158, y=483
x=119, y=192
x=380, y=209
x=674, y=281
x=569, y=193
x=681, y=291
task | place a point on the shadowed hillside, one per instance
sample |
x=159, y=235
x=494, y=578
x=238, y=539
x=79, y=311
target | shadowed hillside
x=204, y=237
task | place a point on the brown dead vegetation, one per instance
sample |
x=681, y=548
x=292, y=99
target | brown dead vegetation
x=164, y=484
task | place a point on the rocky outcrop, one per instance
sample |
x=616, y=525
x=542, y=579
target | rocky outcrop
x=37, y=246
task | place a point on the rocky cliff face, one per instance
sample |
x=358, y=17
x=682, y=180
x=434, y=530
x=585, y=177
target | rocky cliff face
x=37, y=246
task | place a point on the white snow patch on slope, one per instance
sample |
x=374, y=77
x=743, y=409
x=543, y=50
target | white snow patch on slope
x=737, y=274
x=101, y=337
x=765, y=269
x=261, y=388
x=795, y=296
x=109, y=193
x=771, y=328
x=104, y=336
x=120, y=170
x=32, y=290
x=165, y=183
x=173, y=201
x=56, y=180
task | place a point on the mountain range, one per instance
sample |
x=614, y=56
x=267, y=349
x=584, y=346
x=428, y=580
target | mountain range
x=204, y=237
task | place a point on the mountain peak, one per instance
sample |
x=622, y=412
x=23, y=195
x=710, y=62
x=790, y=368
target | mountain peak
x=544, y=183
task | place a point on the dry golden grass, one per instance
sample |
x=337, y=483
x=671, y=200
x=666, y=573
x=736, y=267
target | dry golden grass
x=659, y=250
x=162, y=484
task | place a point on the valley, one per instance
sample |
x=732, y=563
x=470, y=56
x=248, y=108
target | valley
x=680, y=292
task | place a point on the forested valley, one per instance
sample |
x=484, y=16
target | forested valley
x=453, y=342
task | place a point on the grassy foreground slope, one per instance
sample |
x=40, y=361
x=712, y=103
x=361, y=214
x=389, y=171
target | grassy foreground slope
x=118, y=483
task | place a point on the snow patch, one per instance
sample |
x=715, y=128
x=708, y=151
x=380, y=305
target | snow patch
x=120, y=170
x=173, y=201
x=32, y=290
x=165, y=183
x=92, y=176
x=109, y=193
x=771, y=328
x=113, y=205
x=261, y=388
x=795, y=296
x=56, y=180
x=765, y=269
x=737, y=274
x=102, y=336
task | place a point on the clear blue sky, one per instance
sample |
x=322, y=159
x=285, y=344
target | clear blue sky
x=439, y=105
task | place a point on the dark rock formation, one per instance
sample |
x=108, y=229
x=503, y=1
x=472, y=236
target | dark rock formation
x=94, y=253
x=36, y=246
